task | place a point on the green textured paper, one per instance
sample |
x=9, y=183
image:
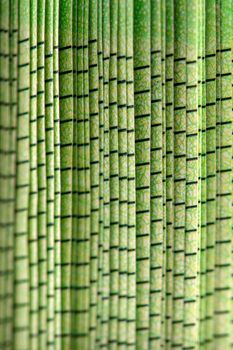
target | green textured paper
x=116, y=174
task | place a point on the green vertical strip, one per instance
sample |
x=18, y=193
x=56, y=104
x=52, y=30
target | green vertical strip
x=21, y=256
x=142, y=94
x=202, y=170
x=79, y=288
x=41, y=169
x=94, y=168
x=191, y=283
x=169, y=170
x=86, y=273
x=75, y=193
x=211, y=163
x=106, y=192
x=164, y=156
x=232, y=181
x=49, y=135
x=66, y=95
x=57, y=179
x=13, y=74
x=156, y=171
x=222, y=329
x=33, y=198
x=131, y=287
x=114, y=177
x=84, y=319
x=83, y=168
x=3, y=33
x=179, y=170
x=123, y=174
x=101, y=168
x=6, y=201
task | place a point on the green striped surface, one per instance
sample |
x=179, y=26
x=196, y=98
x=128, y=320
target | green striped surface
x=116, y=174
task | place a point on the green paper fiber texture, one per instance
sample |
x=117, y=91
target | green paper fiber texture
x=116, y=174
